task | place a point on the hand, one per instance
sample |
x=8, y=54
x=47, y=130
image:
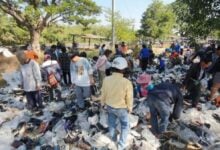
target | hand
x=92, y=82
x=38, y=87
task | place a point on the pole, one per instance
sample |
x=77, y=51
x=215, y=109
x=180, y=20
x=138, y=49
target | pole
x=113, y=25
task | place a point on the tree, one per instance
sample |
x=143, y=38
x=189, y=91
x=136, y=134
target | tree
x=157, y=21
x=197, y=18
x=10, y=34
x=124, y=28
x=35, y=15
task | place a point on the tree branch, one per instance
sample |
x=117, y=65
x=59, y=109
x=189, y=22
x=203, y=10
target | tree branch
x=16, y=14
x=55, y=18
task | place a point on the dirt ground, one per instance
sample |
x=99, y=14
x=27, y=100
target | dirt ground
x=9, y=64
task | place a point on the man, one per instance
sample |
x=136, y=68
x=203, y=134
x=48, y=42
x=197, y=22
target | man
x=30, y=80
x=64, y=61
x=160, y=100
x=117, y=95
x=52, y=68
x=144, y=57
x=123, y=48
x=193, y=77
x=82, y=77
x=215, y=70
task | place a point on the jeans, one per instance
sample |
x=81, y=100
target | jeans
x=159, y=108
x=81, y=94
x=122, y=115
x=33, y=99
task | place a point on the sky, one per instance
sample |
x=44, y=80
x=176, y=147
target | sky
x=130, y=9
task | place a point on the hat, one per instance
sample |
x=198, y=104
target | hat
x=119, y=63
x=144, y=79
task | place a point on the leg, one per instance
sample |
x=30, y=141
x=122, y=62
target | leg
x=58, y=92
x=154, y=115
x=196, y=93
x=79, y=96
x=69, y=78
x=64, y=77
x=86, y=92
x=164, y=112
x=51, y=94
x=124, y=121
x=38, y=99
x=30, y=100
x=112, y=123
x=101, y=77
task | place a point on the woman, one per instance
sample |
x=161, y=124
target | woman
x=101, y=65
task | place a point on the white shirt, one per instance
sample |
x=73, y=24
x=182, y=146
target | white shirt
x=30, y=76
x=80, y=72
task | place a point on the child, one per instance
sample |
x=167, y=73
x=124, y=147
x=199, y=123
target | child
x=143, y=80
x=161, y=66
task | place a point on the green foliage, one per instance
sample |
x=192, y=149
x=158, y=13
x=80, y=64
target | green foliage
x=10, y=34
x=35, y=15
x=197, y=18
x=157, y=21
x=123, y=27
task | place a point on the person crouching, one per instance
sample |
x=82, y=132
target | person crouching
x=160, y=99
x=117, y=95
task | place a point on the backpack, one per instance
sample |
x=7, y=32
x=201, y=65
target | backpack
x=52, y=80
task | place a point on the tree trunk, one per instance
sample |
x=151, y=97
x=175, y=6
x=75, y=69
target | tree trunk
x=35, y=40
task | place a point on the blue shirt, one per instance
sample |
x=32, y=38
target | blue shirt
x=144, y=53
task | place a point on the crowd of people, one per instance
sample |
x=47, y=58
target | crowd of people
x=115, y=70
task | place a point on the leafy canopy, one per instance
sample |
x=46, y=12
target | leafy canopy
x=38, y=14
x=157, y=21
x=197, y=18
x=124, y=28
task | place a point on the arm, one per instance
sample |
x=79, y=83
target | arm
x=90, y=71
x=129, y=96
x=73, y=72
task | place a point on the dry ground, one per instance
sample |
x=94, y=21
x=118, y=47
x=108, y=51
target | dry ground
x=7, y=65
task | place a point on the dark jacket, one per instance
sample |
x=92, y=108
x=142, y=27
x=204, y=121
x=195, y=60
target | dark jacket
x=216, y=67
x=64, y=61
x=193, y=75
x=170, y=94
